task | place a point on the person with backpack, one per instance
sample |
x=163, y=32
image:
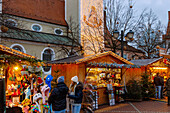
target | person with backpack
x=76, y=94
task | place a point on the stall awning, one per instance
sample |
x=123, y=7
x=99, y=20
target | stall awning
x=145, y=62
x=81, y=59
x=9, y=51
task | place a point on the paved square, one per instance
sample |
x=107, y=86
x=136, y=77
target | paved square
x=137, y=107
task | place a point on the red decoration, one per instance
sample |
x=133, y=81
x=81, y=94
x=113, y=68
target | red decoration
x=20, y=61
x=165, y=61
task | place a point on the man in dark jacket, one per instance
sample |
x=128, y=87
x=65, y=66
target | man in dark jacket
x=168, y=90
x=58, y=96
x=77, y=96
x=158, y=83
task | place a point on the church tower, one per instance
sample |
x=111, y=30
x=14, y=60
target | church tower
x=88, y=14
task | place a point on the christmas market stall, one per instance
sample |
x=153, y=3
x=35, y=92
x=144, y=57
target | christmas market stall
x=21, y=82
x=153, y=66
x=99, y=70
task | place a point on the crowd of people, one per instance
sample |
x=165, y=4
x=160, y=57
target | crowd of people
x=67, y=99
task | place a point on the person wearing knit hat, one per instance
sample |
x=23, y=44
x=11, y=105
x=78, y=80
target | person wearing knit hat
x=58, y=96
x=76, y=94
x=75, y=79
x=40, y=81
x=60, y=79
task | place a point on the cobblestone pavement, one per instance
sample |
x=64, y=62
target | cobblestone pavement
x=137, y=107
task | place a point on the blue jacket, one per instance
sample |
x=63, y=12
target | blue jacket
x=78, y=94
x=58, y=97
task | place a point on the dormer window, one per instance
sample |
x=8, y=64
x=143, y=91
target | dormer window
x=58, y=31
x=36, y=27
x=11, y=23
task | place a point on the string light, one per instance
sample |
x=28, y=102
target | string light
x=159, y=67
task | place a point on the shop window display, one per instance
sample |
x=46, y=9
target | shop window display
x=102, y=76
x=24, y=87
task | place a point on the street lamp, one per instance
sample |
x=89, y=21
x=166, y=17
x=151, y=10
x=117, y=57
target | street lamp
x=128, y=36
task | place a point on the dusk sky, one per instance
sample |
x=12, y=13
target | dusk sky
x=160, y=8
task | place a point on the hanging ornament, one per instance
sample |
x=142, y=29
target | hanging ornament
x=19, y=60
x=6, y=61
x=4, y=29
x=130, y=3
x=157, y=47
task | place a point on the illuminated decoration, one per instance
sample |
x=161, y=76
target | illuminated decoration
x=159, y=67
x=93, y=20
x=13, y=57
x=111, y=65
x=16, y=68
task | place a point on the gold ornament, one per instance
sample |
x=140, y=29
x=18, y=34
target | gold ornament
x=4, y=29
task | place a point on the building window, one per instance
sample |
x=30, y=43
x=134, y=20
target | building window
x=58, y=31
x=47, y=55
x=36, y=27
x=18, y=47
x=11, y=23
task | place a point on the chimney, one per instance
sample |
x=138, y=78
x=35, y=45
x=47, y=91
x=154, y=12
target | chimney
x=169, y=15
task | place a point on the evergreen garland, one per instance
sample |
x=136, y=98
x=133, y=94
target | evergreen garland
x=8, y=60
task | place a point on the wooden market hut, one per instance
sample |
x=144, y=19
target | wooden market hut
x=153, y=66
x=76, y=65
x=80, y=65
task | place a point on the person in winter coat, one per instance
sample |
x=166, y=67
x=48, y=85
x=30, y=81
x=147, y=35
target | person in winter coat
x=58, y=96
x=158, y=83
x=76, y=94
x=168, y=89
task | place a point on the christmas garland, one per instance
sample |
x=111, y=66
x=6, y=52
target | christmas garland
x=7, y=60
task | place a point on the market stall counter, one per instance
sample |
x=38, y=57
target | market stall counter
x=108, y=84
